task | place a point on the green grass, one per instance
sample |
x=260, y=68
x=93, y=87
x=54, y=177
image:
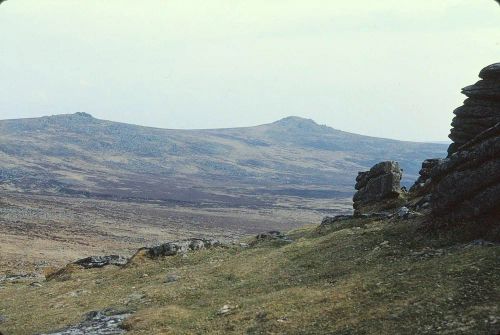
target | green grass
x=361, y=277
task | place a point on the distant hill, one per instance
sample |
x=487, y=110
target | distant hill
x=77, y=154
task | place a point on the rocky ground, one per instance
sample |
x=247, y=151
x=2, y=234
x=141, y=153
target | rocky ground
x=363, y=275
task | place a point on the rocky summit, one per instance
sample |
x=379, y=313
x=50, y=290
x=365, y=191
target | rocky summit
x=381, y=182
x=480, y=111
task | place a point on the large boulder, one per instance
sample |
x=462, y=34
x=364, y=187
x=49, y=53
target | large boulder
x=480, y=111
x=381, y=183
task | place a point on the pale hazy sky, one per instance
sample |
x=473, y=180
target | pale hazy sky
x=389, y=68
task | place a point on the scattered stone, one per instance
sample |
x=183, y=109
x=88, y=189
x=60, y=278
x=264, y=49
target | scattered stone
x=97, y=323
x=16, y=278
x=225, y=310
x=282, y=320
x=101, y=261
x=403, y=212
x=337, y=221
x=382, y=182
x=329, y=220
x=36, y=284
x=261, y=316
x=427, y=253
x=135, y=296
x=3, y=319
x=480, y=243
x=197, y=245
x=171, y=278
x=272, y=235
x=77, y=293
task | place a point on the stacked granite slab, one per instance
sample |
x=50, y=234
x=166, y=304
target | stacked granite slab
x=481, y=110
x=382, y=182
x=466, y=185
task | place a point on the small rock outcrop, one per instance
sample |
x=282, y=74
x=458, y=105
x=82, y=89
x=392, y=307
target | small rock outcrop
x=181, y=247
x=272, y=235
x=101, y=261
x=480, y=111
x=17, y=278
x=83, y=114
x=331, y=220
x=381, y=183
x=105, y=322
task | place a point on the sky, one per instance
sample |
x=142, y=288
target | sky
x=386, y=68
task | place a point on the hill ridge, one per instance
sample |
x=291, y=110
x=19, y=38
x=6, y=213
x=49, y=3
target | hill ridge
x=296, y=121
x=79, y=154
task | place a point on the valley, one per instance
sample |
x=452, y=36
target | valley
x=39, y=231
x=73, y=185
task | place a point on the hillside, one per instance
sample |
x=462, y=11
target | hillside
x=362, y=276
x=79, y=155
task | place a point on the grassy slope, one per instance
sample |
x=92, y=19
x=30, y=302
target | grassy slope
x=364, y=277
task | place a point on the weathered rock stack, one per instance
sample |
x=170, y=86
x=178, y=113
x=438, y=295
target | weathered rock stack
x=466, y=185
x=381, y=184
x=480, y=111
